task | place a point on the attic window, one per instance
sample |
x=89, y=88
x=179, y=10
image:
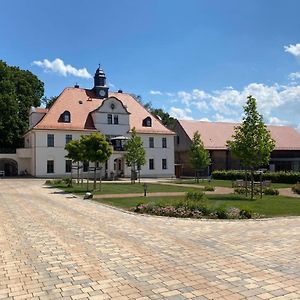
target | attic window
x=147, y=122
x=66, y=117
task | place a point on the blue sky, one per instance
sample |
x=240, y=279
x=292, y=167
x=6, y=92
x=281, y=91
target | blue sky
x=196, y=59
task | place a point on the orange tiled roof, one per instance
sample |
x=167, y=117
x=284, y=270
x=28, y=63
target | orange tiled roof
x=215, y=134
x=80, y=102
x=40, y=110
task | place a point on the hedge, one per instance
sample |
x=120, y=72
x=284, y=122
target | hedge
x=275, y=177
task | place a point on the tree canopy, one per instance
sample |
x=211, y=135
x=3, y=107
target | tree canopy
x=135, y=156
x=252, y=142
x=19, y=90
x=199, y=156
x=95, y=149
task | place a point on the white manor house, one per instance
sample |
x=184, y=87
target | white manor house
x=79, y=111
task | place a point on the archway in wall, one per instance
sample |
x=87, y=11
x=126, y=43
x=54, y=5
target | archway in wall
x=9, y=166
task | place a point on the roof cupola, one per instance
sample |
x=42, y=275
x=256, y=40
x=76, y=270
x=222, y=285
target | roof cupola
x=100, y=87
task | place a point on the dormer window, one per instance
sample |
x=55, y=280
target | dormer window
x=66, y=117
x=147, y=122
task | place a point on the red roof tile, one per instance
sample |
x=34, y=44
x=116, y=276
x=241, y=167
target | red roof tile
x=80, y=102
x=215, y=134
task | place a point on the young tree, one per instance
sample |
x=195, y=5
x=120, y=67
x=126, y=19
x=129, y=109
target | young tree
x=199, y=156
x=95, y=149
x=75, y=154
x=252, y=142
x=135, y=156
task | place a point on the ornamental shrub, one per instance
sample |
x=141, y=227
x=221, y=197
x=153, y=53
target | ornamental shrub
x=195, y=196
x=209, y=188
x=246, y=213
x=276, y=177
x=221, y=213
x=270, y=191
x=296, y=188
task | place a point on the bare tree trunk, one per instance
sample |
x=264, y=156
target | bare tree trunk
x=95, y=173
x=252, y=183
x=82, y=175
x=100, y=178
x=246, y=183
x=87, y=179
x=71, y=182
x=78, y=172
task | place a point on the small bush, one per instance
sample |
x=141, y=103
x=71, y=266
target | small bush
x=270, y=191
x=278, y=177
x=209, y=188
x=194, y=196
x=67, y=181
x=242, y=191
x=246, y=213
x=296, y=188
x=48, y=182
x=57, y=181
x=221, y=213
x=233, y=213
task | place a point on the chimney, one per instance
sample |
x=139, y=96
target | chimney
x=120, y=91
x=76, y=86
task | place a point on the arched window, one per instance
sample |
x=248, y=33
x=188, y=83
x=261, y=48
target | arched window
x=66, y=117
x=147, y=122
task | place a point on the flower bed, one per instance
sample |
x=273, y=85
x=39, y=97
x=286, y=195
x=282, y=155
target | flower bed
x=196, y=212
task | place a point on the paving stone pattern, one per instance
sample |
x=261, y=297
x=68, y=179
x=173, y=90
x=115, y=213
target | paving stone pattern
x=53, y=246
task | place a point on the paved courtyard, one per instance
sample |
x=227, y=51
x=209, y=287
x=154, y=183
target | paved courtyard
x=53, y=246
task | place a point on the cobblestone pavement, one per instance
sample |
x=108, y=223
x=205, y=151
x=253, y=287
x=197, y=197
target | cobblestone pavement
x=53, y=246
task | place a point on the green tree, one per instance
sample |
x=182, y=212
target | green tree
x=19, y=90
x=252, y=142
x=95, y=149
x=199, y=156
x=165, y=118
x=74, y=149
x=48, y=102
x=135, y=156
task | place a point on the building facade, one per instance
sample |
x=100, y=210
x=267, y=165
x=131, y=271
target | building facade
x=79, y=112
x=285, y=157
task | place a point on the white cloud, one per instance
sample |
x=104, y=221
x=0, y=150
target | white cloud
x=294, y=76
x=205, y=120
x=170, y=94
x=221, y=118
x=181, y=114
x=111, y=85
x=156, y=93
x=201, y=105
x=199, y=94
x=279, y=104
x=276, y=121
x=184, y=97
x=293, y=49
x=58, y=66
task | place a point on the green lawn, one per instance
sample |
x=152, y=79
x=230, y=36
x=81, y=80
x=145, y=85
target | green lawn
x=224, y=183
x=124, y=188
x=269, y=206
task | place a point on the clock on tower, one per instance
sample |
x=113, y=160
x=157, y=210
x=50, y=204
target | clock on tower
x=100, y=87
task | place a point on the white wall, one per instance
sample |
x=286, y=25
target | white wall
x=158, y=153
x=57, y=153
x=100, y=118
